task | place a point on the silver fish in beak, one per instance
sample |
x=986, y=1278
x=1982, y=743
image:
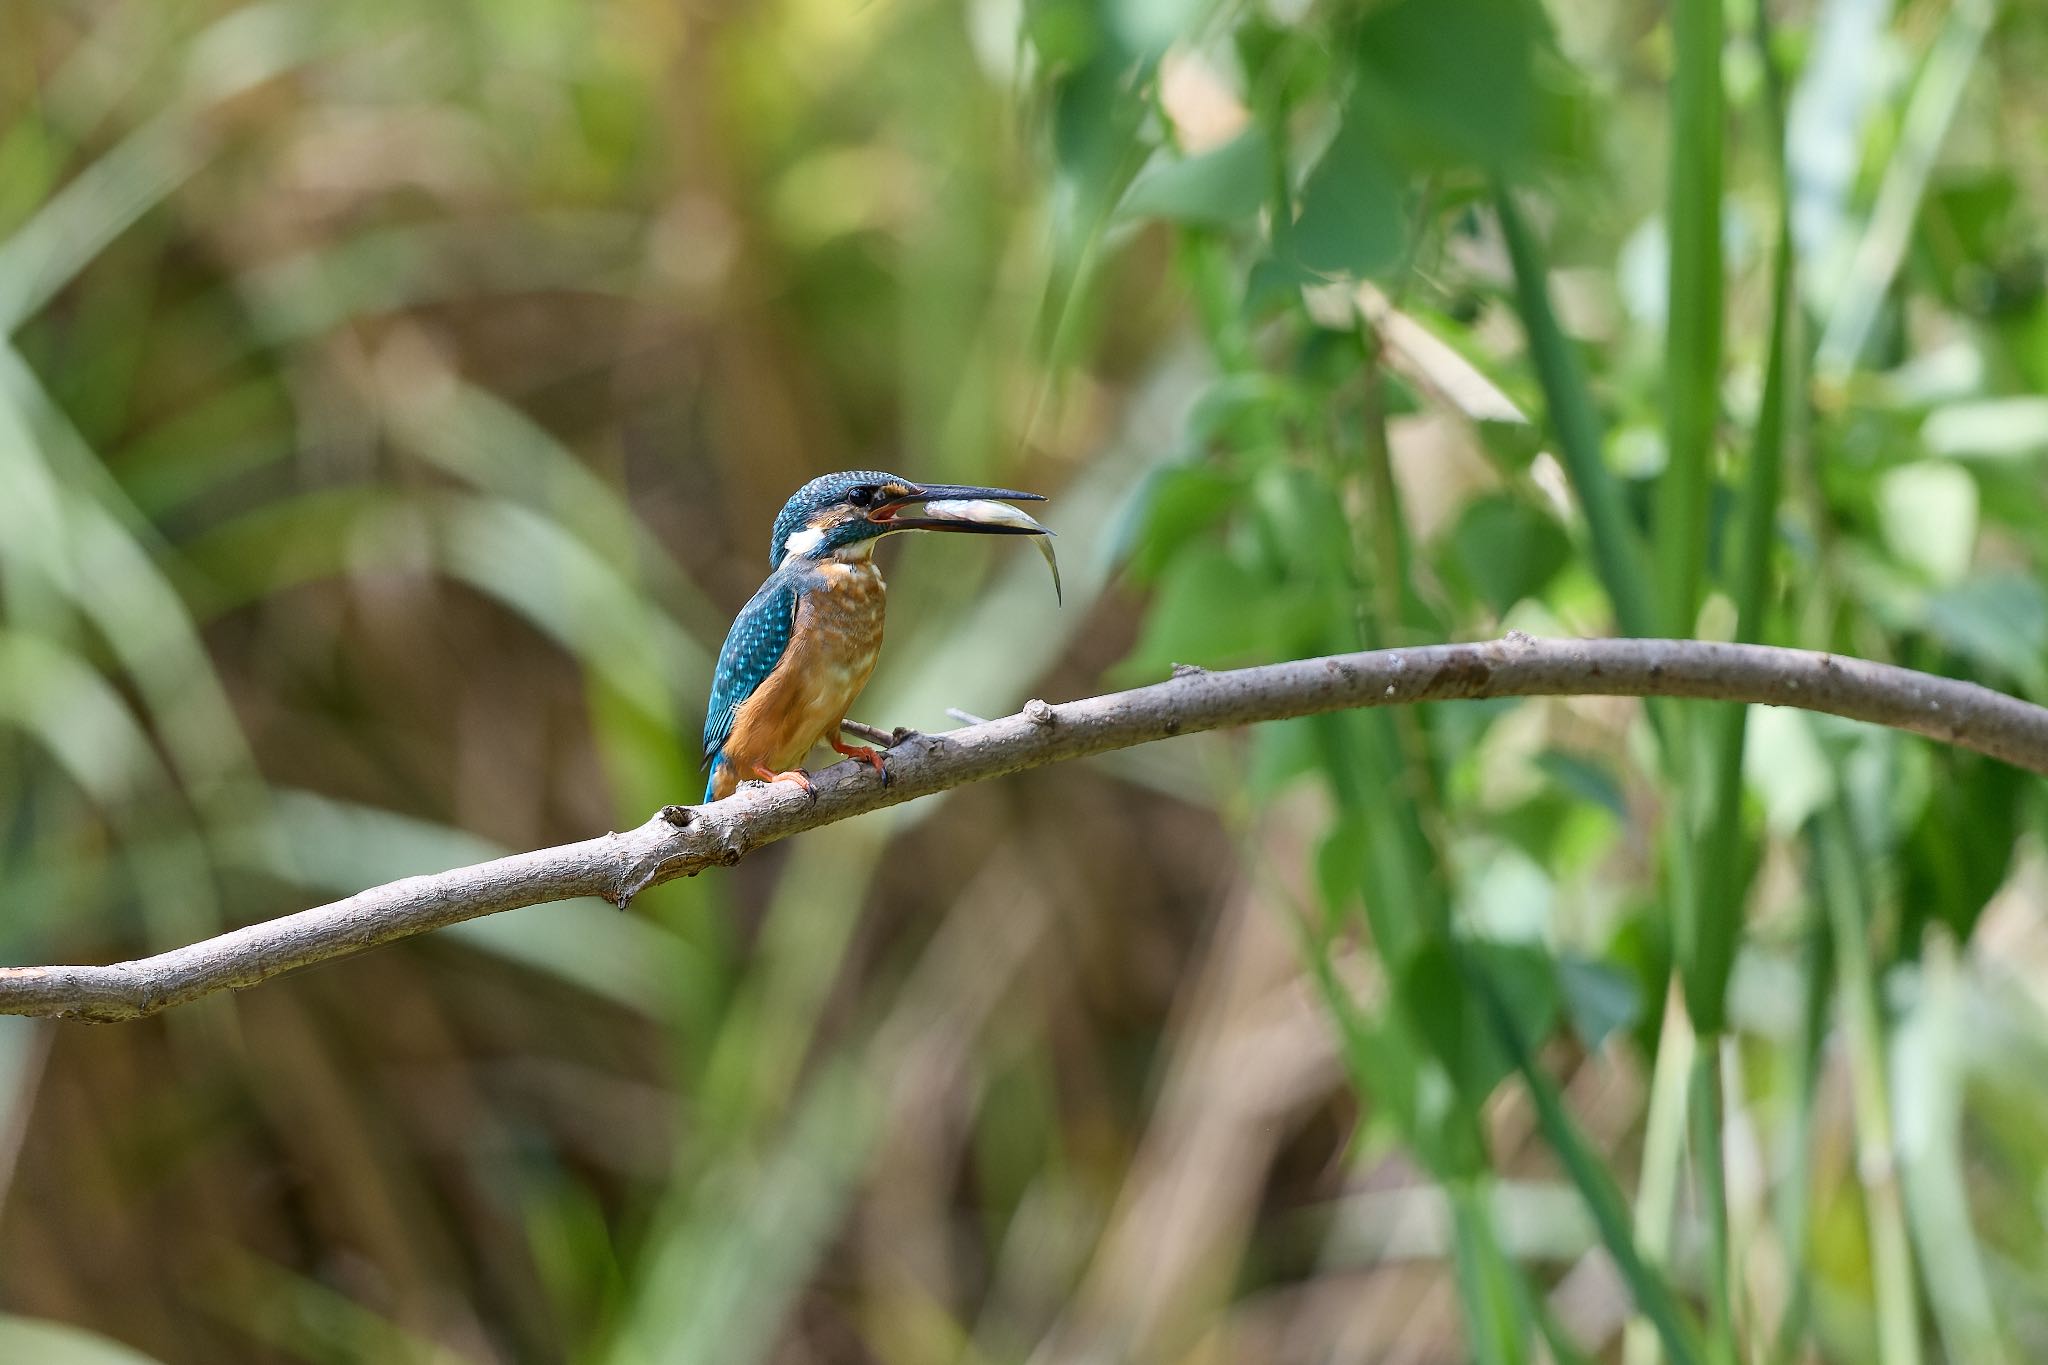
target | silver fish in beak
x=979, y=512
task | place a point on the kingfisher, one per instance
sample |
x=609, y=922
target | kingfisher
x=803, y=646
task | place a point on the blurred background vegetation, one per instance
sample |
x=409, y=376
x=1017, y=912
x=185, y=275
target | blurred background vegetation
x=393, y=403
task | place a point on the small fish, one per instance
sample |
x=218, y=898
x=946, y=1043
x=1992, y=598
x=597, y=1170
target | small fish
x=999, y=514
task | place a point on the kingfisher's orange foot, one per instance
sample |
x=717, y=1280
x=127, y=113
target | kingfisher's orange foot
x=871, y=757
x=796, y=775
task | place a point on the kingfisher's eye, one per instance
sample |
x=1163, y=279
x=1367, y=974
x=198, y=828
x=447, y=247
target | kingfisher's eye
x=862, y=496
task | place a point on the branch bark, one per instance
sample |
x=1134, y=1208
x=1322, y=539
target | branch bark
x=681, y=841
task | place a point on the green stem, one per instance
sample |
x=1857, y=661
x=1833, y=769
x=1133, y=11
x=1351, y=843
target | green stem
x=1844, y=889
x=1663, y=1150
x=1653, y=1295
x=1719, y=925
x=1795, y=1185
x=1693, y=327
x=1944, y=80
x=1708, y=1114
x=1617, y=551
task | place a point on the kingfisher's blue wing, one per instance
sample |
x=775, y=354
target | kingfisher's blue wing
x=753, y=647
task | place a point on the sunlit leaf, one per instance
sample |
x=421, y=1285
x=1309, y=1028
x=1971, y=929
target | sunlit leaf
x=1929, y=515
x=1999, y=428
x=56, y=1343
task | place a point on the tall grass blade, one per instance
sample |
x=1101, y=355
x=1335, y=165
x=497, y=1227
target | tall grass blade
x=242, y=50
x=1652, y=1293
x=1692, y=351
x=1497, y=1328
x=1928, y=1068
x=1847, y=894
x=1720, y=918
x=1617, y=549
x=1882, y=249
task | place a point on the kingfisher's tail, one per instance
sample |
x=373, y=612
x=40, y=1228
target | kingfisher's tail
x=718, y=767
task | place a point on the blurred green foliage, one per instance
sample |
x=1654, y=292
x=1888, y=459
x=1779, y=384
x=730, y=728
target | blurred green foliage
x=393, y=403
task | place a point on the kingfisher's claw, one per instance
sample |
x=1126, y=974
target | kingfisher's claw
x=796, y=775
x=871, y=757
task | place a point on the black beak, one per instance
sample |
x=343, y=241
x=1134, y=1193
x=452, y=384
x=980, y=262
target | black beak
x=886, y=513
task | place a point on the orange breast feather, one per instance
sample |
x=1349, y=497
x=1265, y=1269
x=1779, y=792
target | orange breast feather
x=832, y=651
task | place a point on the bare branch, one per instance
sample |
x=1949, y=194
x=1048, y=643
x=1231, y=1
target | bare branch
x=681, y=841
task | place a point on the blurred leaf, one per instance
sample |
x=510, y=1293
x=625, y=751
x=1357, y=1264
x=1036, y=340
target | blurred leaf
x=1219, y=188
x=1784, y=765
x=56, y=1343
x=1351, y=219
x=1841, y=88
x=721, y=1274
x=1496, y=1327
x=1212, y=611
x=1065, y=32
x=1275, y=281
x=1997, y=428
x=568, y=590
x=1616, y=546
x=68, y=708
x=1340, y=864
x=1961, y=849
x=1998, y=619
x=1507, y=549
x=1433, y=990
x=1585, y=778
x=247, y=47
x=1097, y=113
x=1450, y=81
x=68, y=523
x=1928, y=512
x=1174, y=505
x=1927, y=1071
x=1281, y=753
x=1601, y=999
x=1651, y=1292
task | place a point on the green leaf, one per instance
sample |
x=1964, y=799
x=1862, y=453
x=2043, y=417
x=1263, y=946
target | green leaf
x=57, y=1343
x=1928, y=513
x=1999, y=620
x=1958, y=852
x=1176, y=505
x=1214, y=612
x=1616, y=549
x=1450, y=81
x=1508, y=550
x=1995, y=428
x=1785, y=766
x=1219, y=188
x=1584, y=778
x=1651, y=1292
x=1600, y=999
x=1275, y=281
x=1432, y=987
x=1351, y=220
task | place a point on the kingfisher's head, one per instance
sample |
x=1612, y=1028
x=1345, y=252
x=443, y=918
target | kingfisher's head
x=844, y=514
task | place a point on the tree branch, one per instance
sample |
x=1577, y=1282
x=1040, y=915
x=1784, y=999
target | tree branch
x=683, y=840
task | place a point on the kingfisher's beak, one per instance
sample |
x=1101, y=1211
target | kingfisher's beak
x=960, y=507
